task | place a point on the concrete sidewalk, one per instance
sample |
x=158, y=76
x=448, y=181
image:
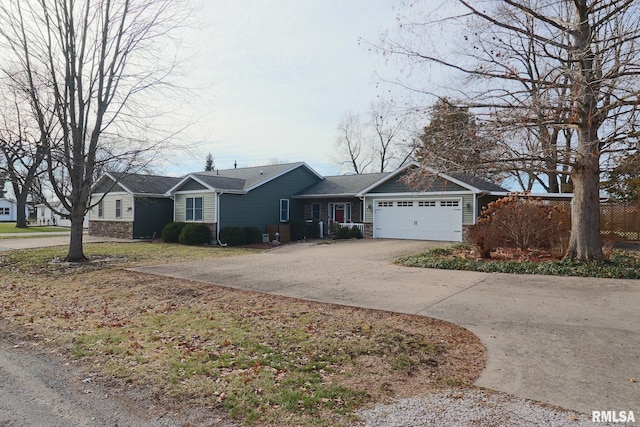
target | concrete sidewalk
x=47, y=240
x=570, y=342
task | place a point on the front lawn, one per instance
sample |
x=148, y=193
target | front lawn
x=620, y=265
x=262, y=359
x=10, y=227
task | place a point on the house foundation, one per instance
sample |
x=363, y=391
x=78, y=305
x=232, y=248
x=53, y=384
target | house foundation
x=115, y=229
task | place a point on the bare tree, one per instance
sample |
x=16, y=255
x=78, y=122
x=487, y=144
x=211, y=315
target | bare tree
x=389, y=142
x=376, y=145
x=24, y=143
x=579, y=104
x=87, y=63
x=352, y=153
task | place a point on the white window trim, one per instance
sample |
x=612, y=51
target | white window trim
x=193, y=209
x=346, y=206
x=118, y=208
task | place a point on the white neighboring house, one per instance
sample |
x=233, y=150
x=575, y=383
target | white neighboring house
x=45, y=216
x=9, y=209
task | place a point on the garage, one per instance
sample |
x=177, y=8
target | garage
x=421, y=219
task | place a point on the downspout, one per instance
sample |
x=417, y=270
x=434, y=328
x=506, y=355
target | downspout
x=363, y=216
x=362, y=209
x=218, y=194
x=476, y=213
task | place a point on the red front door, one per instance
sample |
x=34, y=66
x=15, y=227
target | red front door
x=339, y=213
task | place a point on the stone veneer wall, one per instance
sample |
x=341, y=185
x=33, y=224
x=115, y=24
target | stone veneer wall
x=117, y=229
x=368, y=230
x=213, y=227
x=465, y=233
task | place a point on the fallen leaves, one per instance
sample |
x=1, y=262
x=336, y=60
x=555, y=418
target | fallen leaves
x=203, y=344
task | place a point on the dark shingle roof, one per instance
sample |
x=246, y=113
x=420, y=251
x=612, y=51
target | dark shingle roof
x=146, y=184
x=221, y=182
x=244, y=178
x=342, y=185
x=479, y=183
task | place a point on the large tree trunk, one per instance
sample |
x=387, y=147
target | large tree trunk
x=585, y=242
x=76, y=252
x=21, y=207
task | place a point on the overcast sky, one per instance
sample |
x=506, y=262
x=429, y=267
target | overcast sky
x=276, y=76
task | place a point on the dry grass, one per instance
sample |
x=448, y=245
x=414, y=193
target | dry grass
x=263, y=359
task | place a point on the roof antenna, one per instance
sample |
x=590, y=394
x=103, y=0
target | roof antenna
x=235, y=164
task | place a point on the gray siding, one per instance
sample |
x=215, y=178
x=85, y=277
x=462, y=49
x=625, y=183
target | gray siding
x=261, y=206
x=436, y=184
x=152, y=214
x=192, y=185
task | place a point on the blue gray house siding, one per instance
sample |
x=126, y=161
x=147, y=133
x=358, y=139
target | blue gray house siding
x=192, y=185
x=152, y=215
x=435, y=184
x=261, y=206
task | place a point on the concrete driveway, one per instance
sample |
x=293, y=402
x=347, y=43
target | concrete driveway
x=570, y=342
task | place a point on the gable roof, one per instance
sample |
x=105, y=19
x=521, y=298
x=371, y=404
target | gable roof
x=241, y=180
x=141, y=184
x=479, y=183
x=5, y=199
x=341, y=185
x=218, y=182
x=470, y=182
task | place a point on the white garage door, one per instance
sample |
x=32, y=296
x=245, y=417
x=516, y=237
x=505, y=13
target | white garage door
x=418, y=219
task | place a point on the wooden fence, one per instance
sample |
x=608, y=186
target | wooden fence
x=618, y=220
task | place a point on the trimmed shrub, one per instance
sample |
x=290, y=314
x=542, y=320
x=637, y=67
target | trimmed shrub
x=252, y=235
x=297, y=229
x=312, y=229
x=483, y=236
x=519, y=222
x=171, y=232
x=348, y=232
x=195, y=234
x=342, y=232
x=355, y=233
x=233, y=236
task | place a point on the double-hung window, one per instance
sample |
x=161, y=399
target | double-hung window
x=315, y=211
x=100, y=209
x=194, y=209
x=284, y=210
x=118, y=208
